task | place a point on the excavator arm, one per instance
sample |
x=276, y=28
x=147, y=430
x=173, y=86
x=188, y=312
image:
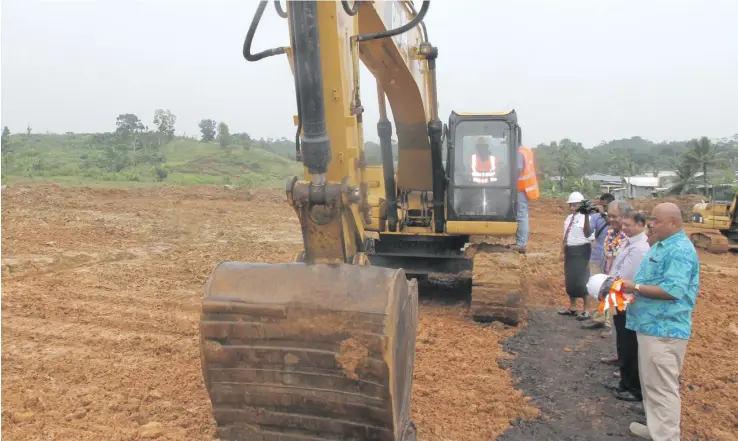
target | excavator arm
x=330, y=39
x=323, y=348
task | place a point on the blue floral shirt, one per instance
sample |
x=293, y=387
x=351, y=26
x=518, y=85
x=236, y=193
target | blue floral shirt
x=672, y=265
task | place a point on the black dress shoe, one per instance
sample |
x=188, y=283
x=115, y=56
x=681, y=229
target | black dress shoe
x=615, y=387
x=627, y=396
x=593, y=325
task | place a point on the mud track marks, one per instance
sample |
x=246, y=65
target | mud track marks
x=16, y=268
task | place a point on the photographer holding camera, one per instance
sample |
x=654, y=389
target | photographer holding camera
x=576, y=249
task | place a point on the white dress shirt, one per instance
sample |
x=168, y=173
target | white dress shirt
x=576, y=234
x=629, y=256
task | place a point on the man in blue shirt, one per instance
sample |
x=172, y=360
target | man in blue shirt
x=521, y=236
x=666, y=286
x=599, y=224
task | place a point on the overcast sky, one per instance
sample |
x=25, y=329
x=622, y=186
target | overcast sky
x=589, y=70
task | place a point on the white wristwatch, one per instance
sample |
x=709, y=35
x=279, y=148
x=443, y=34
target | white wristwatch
x=637, y=287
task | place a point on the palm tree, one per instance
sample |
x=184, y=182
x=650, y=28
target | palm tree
x=703, y=155
x=567, y=161
x=684, y=179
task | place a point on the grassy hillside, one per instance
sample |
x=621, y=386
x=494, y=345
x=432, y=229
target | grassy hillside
x=138, y=157
x=140, y=160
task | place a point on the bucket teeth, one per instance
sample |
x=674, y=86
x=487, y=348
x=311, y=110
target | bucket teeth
x=308, y=352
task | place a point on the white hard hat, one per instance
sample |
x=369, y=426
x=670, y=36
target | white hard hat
x=575, y=198
x=595, y=284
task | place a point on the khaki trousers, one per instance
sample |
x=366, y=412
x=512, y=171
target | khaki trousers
x=660, y=362
x=597, y=316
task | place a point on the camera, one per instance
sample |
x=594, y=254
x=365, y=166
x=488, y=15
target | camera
x=586, y=207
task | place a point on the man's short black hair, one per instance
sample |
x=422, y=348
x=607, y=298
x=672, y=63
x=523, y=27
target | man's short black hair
x=606, y=198
x=638, y=216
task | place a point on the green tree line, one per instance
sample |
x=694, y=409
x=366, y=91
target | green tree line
x=696, y=162
x=133, y=151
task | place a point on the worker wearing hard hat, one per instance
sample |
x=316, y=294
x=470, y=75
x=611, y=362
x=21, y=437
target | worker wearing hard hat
x=576, y=249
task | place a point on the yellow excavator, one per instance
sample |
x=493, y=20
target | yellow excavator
x=323, y=348
x=715, y=223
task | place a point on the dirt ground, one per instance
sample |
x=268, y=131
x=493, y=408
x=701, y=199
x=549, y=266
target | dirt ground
x=101, y=292
x=557, y=361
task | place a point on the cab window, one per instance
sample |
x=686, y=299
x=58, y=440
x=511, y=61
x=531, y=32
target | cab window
x=489, y=142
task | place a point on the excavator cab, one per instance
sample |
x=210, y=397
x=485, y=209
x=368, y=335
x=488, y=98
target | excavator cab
x=481, y=167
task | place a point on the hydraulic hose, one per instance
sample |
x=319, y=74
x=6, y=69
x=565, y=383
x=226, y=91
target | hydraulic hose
x=250, y=38
x=404, y=28
x=298, y=147
x=279, y=9
x=350, y=10
x=315, y=142
x=422, y=23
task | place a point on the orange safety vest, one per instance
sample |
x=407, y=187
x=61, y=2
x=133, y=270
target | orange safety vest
x=528, y=182
x=616, y=298
x=483, y=171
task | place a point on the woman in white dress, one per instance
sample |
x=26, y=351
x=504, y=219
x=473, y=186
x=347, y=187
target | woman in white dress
x=576, y=249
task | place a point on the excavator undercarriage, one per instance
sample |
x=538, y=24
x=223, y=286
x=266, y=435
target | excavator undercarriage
x=714, y=242
x=497, y=274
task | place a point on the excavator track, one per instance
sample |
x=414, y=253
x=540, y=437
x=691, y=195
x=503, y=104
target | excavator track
x=499, y=284
x=712, y=242
x=309, y=352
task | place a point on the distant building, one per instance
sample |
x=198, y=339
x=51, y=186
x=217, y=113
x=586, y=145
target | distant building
x=640, y=186
x=634, y=186
x=608, y=183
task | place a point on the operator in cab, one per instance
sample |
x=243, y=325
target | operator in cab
x=483, y=164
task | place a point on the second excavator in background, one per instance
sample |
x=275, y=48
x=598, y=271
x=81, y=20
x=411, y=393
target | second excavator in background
x=714, y=224
x=323, y=348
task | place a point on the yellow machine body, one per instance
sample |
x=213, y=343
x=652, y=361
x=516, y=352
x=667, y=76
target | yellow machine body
x=323, y=348
x=717, y=221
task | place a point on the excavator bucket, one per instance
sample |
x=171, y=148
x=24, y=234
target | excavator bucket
x=308, y=352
